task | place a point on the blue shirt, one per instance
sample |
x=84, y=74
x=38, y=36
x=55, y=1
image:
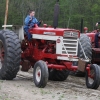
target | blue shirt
x=30, y=23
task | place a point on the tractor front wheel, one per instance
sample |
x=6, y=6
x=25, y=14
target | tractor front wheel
x=93, y=77
x=40, y=74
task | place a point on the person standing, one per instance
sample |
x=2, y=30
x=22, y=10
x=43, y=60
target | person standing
x=97, y=36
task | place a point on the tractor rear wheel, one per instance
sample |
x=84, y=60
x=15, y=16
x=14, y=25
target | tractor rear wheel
x=93, y=80
x=40, y=74
x=86, y=45
x=58, y=75
x=10, y=54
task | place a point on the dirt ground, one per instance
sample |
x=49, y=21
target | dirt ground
x=23, y=88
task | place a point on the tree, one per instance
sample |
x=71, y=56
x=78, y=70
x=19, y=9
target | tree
x=71, y=12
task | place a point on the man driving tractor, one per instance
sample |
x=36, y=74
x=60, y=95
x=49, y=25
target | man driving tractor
x=29, y=22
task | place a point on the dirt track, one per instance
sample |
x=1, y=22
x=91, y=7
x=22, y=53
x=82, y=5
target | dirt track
x=23, y=88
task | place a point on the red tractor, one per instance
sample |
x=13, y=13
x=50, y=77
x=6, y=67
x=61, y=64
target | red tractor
x=51, y=53
x=90, y=49
x=95, y=51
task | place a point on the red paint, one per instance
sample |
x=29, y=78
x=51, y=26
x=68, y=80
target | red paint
x=58, y=31
x=92, y=36
x=89, y=72
x=38, y=74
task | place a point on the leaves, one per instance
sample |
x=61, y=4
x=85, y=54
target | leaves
x=71, y=12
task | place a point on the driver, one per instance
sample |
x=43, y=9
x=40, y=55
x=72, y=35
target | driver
x=29, y=22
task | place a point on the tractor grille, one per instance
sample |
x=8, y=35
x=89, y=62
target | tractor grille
x=70, y=45
x=70, y=34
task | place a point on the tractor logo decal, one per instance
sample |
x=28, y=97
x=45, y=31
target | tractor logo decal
x=49, y=33
x=71, y=34
x=67, y=33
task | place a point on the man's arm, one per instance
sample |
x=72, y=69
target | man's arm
x=34, y=21
x=28, y=20
x=37, y=22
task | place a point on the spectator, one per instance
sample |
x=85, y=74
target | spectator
x=97, y=36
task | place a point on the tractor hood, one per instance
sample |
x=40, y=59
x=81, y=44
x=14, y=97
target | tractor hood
x=56, y=32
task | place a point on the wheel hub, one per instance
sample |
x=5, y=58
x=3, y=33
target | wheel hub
x=38, y=74
x=91, y=78
x=1, y=53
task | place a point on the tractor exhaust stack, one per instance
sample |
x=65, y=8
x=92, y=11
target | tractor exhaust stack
x=81, y=28
x=56, y=14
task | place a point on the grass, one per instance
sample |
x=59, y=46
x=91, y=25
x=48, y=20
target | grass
x=7, y=99
x=0, y=98
x=61, y=97
x=43, y=92
x=53, y=96
x=34, y=92
x=1, y=81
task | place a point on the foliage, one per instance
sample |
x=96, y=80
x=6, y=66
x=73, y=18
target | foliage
x=71, y=12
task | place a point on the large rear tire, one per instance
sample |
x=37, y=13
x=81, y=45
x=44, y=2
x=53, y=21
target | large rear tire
x=86, y=45
x=10, y=56
x=58, y=75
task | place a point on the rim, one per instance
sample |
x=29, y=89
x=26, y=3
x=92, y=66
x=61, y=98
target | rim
x=38, y=74
x=91, y=78
x=1, y=54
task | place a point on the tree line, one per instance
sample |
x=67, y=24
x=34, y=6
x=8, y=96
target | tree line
x=71, y=12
